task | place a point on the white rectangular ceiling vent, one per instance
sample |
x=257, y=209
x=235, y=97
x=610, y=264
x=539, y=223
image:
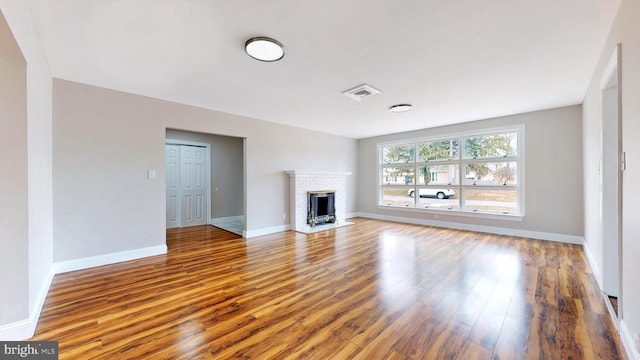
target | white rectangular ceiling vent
x=360, y=92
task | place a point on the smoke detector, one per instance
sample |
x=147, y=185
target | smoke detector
x=361, y=92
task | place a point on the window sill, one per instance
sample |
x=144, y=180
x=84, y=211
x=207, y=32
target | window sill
x=456, y=213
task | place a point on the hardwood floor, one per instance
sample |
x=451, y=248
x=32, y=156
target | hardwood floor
x=372, y=290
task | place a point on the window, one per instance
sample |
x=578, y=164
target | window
x=474, y=173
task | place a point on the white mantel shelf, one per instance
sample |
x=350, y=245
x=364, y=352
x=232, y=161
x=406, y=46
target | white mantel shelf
x=302, y=181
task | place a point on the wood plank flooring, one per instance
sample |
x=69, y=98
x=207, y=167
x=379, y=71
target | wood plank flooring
x=372, y=290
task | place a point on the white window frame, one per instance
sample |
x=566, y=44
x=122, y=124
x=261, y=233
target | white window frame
x=461, y=162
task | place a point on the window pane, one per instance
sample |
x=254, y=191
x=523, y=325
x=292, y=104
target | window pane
x=438, y=150
x=398, y=154
x=495, y=145
x=398, y=175
x=438, y=175
x=503, y=201
x=449, y=204
x=397, y=197
x=491, y=174
x=438, y=198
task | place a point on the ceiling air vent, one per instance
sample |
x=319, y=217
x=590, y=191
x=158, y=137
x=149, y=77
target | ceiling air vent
x=360, y=92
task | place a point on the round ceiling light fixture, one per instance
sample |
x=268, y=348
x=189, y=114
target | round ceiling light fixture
x=400, y=108
x=264, y=49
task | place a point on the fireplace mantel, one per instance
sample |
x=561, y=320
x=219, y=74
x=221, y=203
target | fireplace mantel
x=301, y=181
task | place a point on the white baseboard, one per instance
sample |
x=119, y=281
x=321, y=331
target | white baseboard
x=24, y=329
x=99, y=260
x=226, y=219
x=594, y=266
x=266, y=231
x=570, y=239
x=19, y=330
x=628, y=341
x=42, y=296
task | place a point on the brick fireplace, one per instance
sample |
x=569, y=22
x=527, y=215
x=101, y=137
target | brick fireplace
x=301, y=183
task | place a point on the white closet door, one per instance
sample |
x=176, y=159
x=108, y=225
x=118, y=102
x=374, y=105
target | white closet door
x=172, y=156
x=192, y=185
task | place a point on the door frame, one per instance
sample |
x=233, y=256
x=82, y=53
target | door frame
x=612, y=77
x=207, y=170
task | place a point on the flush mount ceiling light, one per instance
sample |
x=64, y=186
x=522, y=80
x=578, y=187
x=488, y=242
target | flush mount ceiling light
x=264, y=49
x=400, y=108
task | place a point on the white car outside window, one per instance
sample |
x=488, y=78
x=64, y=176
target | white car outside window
x=431, y=192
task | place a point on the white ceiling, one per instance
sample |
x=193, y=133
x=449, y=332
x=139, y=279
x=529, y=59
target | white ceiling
x=454, y=60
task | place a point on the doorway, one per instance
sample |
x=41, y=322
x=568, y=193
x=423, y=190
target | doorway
x=224, y=179
x=187, y=166
x=611, y=184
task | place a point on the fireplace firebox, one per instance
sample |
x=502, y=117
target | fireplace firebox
x=321, y=207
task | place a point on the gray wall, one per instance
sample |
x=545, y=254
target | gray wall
x=26, y=210
x=105, y=141
x=13, y=192
x=227, y=174
x=553, y=171
x=625, y=30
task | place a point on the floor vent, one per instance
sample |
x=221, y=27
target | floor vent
x=361, y=92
